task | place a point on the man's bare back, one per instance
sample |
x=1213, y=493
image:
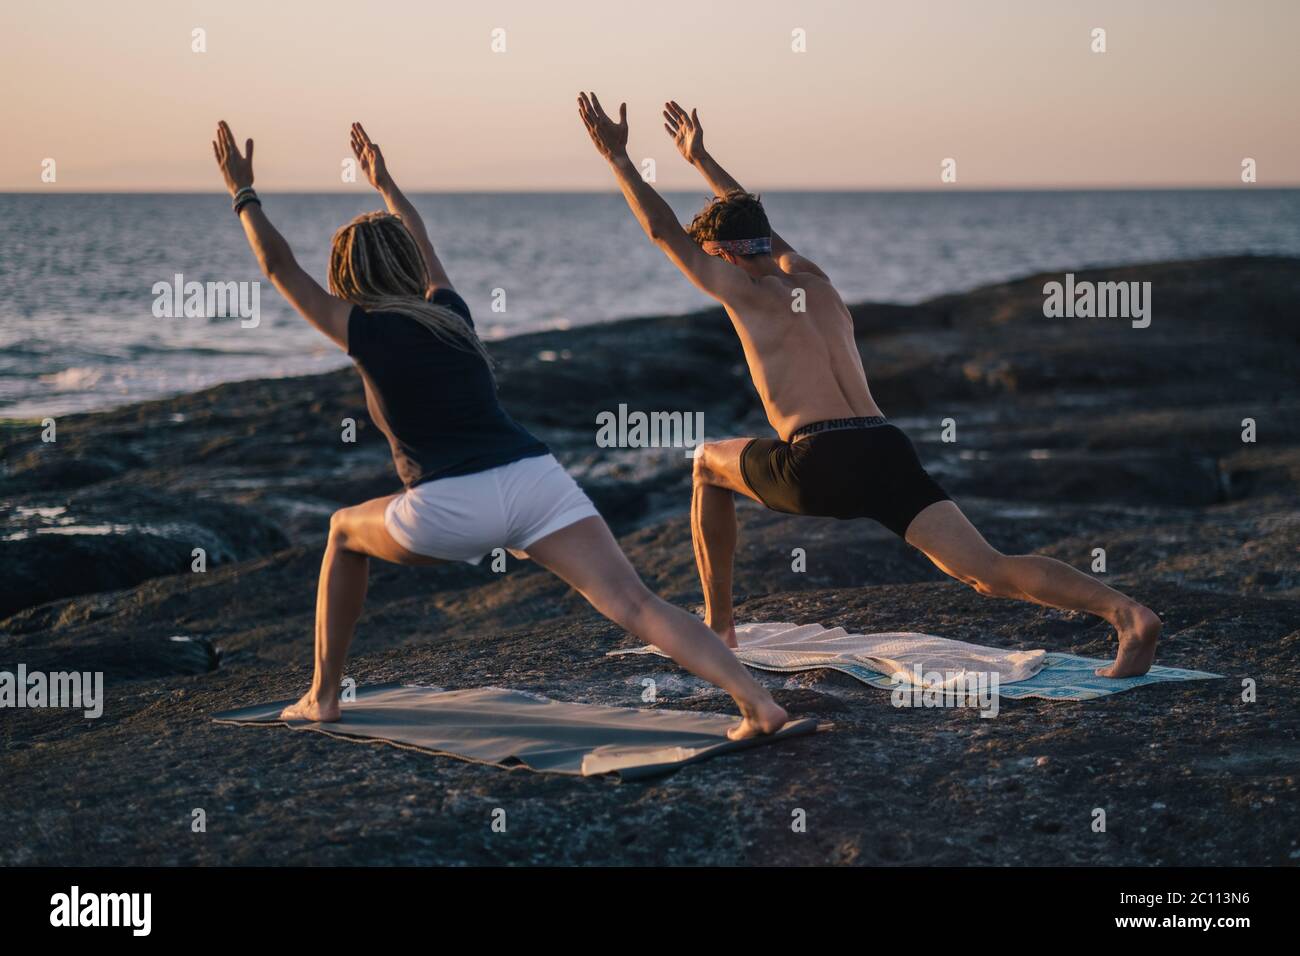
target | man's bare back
x=798, y=340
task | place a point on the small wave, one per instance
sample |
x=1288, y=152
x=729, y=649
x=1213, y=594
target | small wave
x=73, y=379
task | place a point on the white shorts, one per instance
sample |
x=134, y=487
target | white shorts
x=466, y=517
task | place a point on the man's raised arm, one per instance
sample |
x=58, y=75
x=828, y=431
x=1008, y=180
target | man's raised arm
x=688, y=134
x=711, y=275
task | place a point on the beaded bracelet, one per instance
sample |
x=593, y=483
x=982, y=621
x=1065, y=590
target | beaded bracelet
x=247, y=201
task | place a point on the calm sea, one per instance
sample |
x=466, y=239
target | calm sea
x=78, y=329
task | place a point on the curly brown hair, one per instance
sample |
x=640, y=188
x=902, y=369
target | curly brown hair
x=737, y=215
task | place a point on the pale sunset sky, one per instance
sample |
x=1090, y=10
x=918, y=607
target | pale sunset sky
x=883, y=94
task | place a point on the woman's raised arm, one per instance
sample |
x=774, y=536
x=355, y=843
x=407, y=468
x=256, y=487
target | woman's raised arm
x=326, y=312
x=376, y=170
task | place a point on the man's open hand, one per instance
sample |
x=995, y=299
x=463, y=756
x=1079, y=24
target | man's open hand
x=685, y=130
x=610, y=137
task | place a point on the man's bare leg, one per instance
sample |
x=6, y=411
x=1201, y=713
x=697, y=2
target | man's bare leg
x=948, y=539
x=713, y=529
x=356, y=535
x=586, y=556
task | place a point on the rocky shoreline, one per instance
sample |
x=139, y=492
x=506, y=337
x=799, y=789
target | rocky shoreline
x=1072, y=434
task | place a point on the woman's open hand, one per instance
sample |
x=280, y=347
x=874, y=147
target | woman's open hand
x=371, y=159
x=236, y=169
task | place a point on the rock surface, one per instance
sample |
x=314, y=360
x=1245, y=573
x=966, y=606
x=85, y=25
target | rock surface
x=1071, y=435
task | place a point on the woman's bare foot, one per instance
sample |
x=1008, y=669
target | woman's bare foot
x=313, y=708
x=1139, y=630
x=764, y=717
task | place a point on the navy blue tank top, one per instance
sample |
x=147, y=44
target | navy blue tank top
x=436, y=404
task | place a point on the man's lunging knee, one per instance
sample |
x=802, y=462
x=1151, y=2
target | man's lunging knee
x=999, y=578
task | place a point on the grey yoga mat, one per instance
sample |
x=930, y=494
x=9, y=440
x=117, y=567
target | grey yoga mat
x=510, y=728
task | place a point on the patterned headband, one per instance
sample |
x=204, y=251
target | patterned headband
x=737, y=247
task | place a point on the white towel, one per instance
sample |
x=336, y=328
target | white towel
x=916, y=658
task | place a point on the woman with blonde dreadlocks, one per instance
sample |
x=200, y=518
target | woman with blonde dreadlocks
x=474, y=479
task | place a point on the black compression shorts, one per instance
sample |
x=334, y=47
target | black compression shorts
x=838, y=470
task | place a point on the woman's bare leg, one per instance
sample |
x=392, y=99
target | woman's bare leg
x=356, y=535
x=948, y=539
x=586, y=556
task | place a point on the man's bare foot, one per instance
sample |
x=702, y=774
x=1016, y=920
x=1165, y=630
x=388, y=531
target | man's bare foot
x=1139, y=630
x=312, y=708
x=767, y=717
x=728, y=635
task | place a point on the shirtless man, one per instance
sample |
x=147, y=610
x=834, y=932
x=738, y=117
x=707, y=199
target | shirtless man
x=836, y=456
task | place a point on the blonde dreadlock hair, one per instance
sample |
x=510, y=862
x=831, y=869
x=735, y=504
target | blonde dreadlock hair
x=374, y=263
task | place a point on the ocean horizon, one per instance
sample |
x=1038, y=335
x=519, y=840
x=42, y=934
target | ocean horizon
x=79, y=328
